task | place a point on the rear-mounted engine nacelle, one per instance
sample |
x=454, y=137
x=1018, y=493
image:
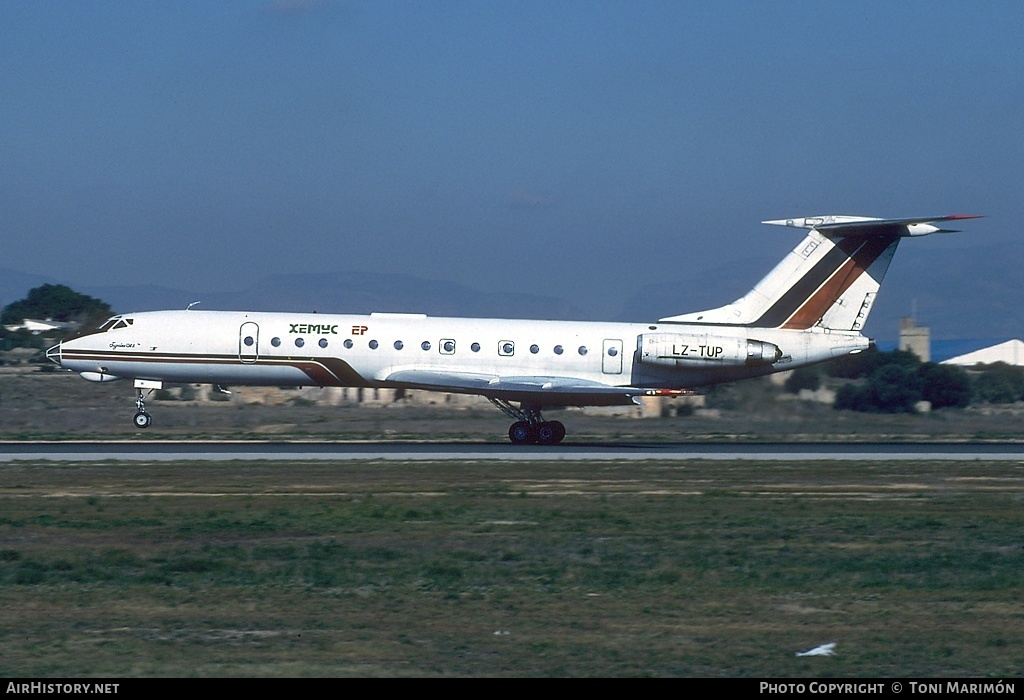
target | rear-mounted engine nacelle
x=705, y=351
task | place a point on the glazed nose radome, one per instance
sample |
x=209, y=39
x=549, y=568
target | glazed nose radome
x=53, y=354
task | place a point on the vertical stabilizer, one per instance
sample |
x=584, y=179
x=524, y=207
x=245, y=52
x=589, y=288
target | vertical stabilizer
x=829, y=280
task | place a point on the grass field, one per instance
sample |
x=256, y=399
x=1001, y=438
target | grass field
x=60, y=406
x=521, y=569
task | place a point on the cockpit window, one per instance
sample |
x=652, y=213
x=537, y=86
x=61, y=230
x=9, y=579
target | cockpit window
x=114, y=323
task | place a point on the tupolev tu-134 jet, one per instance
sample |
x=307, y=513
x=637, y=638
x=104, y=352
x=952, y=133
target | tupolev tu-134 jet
x=810, y=308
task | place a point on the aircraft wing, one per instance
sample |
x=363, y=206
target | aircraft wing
x=545, y=390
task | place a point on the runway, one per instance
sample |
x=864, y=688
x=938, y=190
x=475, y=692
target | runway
x=429, y=451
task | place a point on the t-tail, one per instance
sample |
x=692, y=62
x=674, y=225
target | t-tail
x=831, y=278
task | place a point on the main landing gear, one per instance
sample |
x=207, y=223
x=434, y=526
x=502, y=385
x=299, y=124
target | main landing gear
x=530, y=428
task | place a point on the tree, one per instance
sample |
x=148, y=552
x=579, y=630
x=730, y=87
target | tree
x=57, y=302
x=894, y=388
x=852, y=397
x=803, y=378
x=999, y=383
x=944, y=386
x=864, y=364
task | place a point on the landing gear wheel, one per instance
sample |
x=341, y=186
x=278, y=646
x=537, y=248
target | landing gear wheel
x=550, y=432
x=142, y=420
x=529, y=426
x=522, y=433
x=559, y=431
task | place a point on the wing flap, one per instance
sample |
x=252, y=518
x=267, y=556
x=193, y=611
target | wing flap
x=542, y=389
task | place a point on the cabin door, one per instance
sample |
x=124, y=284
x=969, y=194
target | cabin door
x=611, y=357
x=249, y=342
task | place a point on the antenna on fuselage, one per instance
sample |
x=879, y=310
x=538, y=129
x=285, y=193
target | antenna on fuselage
x=189, y=307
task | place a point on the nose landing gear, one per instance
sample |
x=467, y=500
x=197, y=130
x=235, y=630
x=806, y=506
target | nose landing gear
x=142, y=419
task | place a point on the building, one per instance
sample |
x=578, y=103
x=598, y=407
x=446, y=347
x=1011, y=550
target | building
x=1011, y=352
x=916, y=339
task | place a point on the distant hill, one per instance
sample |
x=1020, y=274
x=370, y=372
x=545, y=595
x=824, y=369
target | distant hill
x=346, y=292
x=976, y=294
x=14, y=285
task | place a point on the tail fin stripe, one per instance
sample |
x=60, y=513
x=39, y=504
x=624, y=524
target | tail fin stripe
x=830, y=279
x=804, y=287
x=811, y=311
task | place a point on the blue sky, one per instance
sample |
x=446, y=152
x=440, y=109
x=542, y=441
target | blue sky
x=577, y=149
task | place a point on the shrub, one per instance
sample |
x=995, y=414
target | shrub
x=999, y=383
x=892, y=388
x=803, y=378
x=944, y=386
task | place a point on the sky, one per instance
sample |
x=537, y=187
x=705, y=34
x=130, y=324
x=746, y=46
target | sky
x=577, y=149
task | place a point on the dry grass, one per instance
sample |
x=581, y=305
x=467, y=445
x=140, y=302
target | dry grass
x=461, y=568
x=60, y=406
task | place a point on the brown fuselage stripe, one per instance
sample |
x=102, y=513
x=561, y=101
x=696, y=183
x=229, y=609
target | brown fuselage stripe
x=328, y=371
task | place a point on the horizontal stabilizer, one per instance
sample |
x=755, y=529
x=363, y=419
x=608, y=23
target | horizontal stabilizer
x=836, y=226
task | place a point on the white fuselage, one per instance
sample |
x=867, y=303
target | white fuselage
x=809, y=308
x=472, y=355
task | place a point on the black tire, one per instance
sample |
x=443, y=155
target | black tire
x=522, y=433
x=142, y=420
x=550, y=433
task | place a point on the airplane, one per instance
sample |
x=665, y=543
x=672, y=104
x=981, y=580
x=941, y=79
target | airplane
x=37, y=325
x=810, y=308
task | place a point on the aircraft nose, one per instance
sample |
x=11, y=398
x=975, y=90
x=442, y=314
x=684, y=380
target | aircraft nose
x=53, y=354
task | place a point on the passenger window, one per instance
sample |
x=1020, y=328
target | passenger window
x=348, y=343
x=299, y=342
x=323, y=342
x=425, y=345
x=559, y=349
x=399, y=345
x=583, y=350
x=506, y=348
x=475, y=347
x=447, y=347
x=373, y=344
x=276, y=342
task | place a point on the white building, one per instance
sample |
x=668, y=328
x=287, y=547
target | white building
x=1011, y=352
